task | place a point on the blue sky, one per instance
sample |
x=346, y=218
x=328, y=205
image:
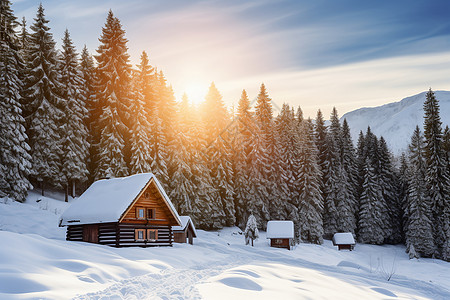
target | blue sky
x=316, y=54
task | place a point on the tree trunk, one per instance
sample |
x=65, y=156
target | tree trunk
x=252, y=242
x=42, y=187
x=73, y=188
x=66, y=196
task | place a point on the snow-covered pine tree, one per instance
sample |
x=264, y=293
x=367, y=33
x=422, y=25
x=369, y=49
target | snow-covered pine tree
x=181, y=188
x=346, y=203
x=140, y=125
x=371, y=227
x=14, y=157
x=289, y=130
x=207, y=208
x=216, y=119
x=333, y=180
x=159, y=152
x=446, y=146
x=419, y=225
x=87, y=70
x=403, y=188
x=242, y=147
x=271, y=169
x=390, y=189
x=349, y=162
x=251, y=232
x=74, y=134
x=437, y=177
x=24, y=39
x=42, y=97
x=322, y=147
x=112, y=92
x=260, y=161
x=311, y=203
x=164, y=101
x=361, y=156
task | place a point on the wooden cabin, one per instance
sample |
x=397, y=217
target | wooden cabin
x=281, y=234
x=185, y=231
x=122, y=212
x=344, y=240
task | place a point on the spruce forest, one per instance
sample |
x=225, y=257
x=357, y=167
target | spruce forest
x=69, y=118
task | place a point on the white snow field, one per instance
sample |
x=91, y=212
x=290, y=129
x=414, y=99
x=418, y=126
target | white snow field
x=396, y=121
x=37, y=263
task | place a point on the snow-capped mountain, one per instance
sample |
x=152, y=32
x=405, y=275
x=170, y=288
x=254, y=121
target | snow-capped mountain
x=396, y=121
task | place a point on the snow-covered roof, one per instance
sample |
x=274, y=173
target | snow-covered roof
x=280, y=230
x=343, y=238
x=185, y=220
x=106, y=200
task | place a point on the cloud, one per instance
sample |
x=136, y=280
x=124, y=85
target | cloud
x=348, y=87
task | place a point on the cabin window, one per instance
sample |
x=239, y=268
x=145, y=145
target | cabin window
x=140, y=213
x=152, y=235
x=278, y=241
x=139, y=234
x=151, y=213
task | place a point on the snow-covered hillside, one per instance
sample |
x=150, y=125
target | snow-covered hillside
x=396, y=121
x=36, y=262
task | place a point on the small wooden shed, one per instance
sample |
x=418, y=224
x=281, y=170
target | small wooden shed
x=185, y=231
x=122, y=212
x=280, y=233
x=344, y=240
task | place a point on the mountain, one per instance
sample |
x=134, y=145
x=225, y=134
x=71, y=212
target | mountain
x=396, y=121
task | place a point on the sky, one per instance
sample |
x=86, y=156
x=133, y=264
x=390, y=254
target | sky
x=313, y=54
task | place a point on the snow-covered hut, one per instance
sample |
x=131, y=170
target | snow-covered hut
x=280, y=233
x=121, y=212
x=344, y=240
x=186, y=230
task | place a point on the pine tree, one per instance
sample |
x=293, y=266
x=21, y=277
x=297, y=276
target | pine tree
x=218, y=152
x=207, y=210
x=346, y=194
x=87, y=70
x=419, y=226
x=242, y=148
x=251, y=232
x=74, y=134
x=350, y=163
x=437, y=177
x=165, y=124
x=403, y=188
x=261, y=168
x=42, y=97
x=371, y=227
x=181, y=188
x=333, y=180
x=112, y=92
x=311, y=205
x=446, y=146
x=14, y=157
x=390, y=187
x=140, y=125
x=323, y=151
x=289, y=130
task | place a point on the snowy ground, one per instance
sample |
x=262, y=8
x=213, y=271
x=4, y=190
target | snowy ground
x=36, y=262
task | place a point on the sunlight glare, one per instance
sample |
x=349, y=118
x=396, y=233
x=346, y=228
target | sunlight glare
x=196, y=92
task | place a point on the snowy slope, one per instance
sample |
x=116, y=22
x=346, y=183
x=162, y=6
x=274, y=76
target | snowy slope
x=36, y=262
x=396, y=121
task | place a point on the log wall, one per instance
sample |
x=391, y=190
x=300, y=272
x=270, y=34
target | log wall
x=122, y=235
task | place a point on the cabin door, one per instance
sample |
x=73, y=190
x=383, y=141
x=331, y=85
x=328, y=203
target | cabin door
x=190, y=237
x=90, y=233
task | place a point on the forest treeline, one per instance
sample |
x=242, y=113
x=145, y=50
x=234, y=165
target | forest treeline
x=69, y=119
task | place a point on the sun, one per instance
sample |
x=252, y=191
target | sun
x=196, y=92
